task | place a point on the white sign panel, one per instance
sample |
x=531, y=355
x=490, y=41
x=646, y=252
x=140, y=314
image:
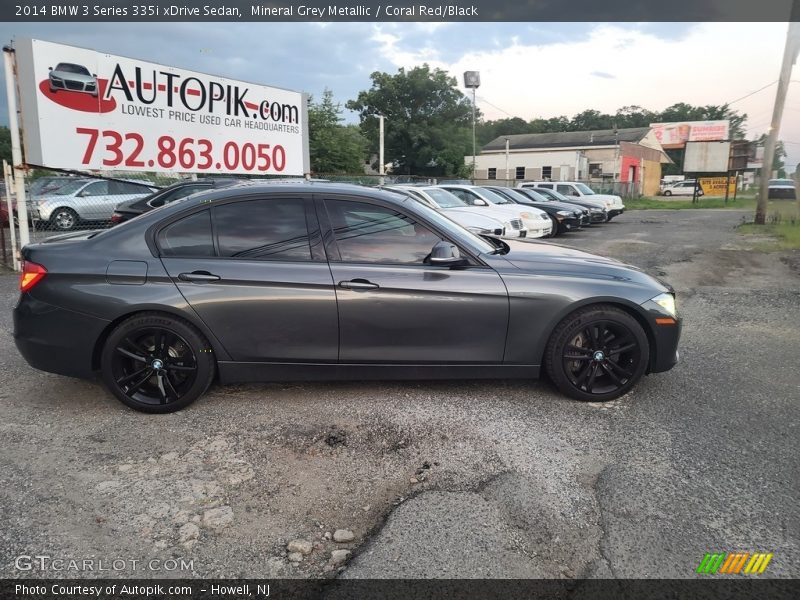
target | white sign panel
x=675, y=135
x=86, y=110
x=706, y=157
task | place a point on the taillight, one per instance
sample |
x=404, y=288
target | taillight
x=31, y=275
x=116, y=218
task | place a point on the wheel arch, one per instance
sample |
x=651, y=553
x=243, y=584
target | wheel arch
x=219, y=352
x=629, y=307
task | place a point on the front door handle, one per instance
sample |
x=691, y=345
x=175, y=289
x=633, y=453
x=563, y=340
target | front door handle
x=358, y=284
x=198, y=276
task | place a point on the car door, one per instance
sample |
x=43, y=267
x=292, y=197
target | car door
x=91, y=200
x=260, y=281
x=395, y=308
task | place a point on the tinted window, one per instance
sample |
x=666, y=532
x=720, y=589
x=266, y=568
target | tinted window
x=366, y=233
x=263, y=229
x=176, y=194
x=191, y=236
x=547, y=186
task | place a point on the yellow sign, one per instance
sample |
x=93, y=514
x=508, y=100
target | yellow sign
x=715, y=186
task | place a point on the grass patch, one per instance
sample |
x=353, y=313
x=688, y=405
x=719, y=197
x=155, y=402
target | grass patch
x=661, y=203
x=783, y=224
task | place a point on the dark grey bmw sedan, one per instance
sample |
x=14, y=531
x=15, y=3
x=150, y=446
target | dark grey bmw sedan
x=270, y=282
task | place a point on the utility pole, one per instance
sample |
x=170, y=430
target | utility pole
x=789, y=57
x=381, y=167
x=507, y=173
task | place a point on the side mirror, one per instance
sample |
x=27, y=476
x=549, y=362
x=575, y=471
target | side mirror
x=94, y=75
x=480, y=202
x=49, y=68
x=445, y=254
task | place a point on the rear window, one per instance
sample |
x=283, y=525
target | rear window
x=191, y=236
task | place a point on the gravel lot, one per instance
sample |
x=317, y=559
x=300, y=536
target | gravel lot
x=439, y=479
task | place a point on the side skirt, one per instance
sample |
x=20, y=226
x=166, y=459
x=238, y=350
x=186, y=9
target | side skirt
x=243, y=372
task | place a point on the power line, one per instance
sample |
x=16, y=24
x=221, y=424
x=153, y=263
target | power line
x=752, y=93
x=484, y=100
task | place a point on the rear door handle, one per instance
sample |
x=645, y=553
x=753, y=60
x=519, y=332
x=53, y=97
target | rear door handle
x=358, y=284
x=198, y=276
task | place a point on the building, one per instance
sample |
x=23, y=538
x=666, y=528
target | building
x=628, y=160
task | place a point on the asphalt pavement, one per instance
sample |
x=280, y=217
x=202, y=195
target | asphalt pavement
x=440, y=479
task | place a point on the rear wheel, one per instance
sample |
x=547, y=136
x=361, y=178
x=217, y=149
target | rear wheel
x=157, y=363
x=667, y=193
x=597, y=353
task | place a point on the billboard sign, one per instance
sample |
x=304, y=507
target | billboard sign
x=715, y=186
x=675, y=135
x=706, y=157
x=86, y=110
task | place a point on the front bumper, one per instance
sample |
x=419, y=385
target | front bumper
x=55, y=340
x=540, y=228
x=613, y=212
x=666, y=332
x=571, y=224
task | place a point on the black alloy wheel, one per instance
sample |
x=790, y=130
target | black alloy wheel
x=597, y=353
x=157, y=363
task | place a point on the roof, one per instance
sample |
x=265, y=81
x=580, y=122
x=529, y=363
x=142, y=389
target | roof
x=567, y=139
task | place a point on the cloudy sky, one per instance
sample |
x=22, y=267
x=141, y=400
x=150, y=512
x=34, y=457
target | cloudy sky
x=527, y=69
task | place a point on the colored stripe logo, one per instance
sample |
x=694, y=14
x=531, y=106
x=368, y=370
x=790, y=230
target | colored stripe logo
x=734, y=563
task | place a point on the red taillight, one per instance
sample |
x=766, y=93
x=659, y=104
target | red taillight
x=31, y=275
x=116, y=218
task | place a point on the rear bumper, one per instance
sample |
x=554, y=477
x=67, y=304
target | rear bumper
x=56, y=340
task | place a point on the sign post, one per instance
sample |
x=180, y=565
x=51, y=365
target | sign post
x=16, y=145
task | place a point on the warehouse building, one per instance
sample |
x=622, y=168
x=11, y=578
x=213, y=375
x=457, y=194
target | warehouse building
x=629, y=160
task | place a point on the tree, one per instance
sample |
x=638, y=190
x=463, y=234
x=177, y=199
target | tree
x=334, y=148
x=5, y=145
x=428, y=120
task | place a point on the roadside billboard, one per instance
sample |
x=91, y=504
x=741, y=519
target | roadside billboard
x=675, y=135
x=706, y=157
x=86, y=110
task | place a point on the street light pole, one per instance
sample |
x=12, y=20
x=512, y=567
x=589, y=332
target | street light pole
x=381, y=167
x=472, y=79
x=507, y=174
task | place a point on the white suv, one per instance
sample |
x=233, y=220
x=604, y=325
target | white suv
x=575, y=189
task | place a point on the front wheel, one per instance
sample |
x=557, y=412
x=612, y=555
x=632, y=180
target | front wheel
x=554, y=231
x=597, y=353
x=157, y=363
x=63, y=219
x=667, y=193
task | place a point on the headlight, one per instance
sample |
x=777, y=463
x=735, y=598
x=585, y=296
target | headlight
x=667, y=302
x=544, y=217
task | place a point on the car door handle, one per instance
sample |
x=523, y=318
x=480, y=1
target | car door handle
x=198, y=276
x=358, y=284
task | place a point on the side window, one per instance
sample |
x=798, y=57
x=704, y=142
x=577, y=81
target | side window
x=366, y=233
x=118, y=188
x=463, y=195
x=268, y=229
x=191, y=236
x=567, y=190
x=98, y=188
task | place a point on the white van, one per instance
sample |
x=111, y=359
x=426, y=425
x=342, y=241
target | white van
x=575, y=189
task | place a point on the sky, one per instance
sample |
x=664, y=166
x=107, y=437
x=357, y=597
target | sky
x=528, y=70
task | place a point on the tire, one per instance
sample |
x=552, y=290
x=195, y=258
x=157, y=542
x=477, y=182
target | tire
x=63, y=219
x=157, y=363
x=667, y=193
x=554, y=231
x=578, y=357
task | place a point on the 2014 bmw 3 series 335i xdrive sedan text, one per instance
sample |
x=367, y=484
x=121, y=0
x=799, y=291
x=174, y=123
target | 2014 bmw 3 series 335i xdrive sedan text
x=317, y=281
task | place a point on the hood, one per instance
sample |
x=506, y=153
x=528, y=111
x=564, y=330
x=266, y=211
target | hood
x=476, y=217
x=74, y=76
x=553, y=259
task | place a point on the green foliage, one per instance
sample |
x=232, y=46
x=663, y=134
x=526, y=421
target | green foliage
x=334, y=147
x=5, y=145
x=627, y=116
x=428, y=120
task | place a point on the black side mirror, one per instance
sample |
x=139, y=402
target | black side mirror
x=446, y=254
x=49, y=68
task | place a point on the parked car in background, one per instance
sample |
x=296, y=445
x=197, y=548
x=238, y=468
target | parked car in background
x=683, y=188
x=595, y=212
x=565, y=218
x=82, y=201
x=70, y=77
x=575, y=189
x=133, y=208
x=359, y=283
x=781, y=189
x=476, y=219
x=534, y=220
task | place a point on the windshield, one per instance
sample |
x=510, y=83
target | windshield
x=70, y=68
x=781, y=182
x=67, y=189
x=465, y=237
x=443, y=198
x=494, y=197
x=585, y=189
